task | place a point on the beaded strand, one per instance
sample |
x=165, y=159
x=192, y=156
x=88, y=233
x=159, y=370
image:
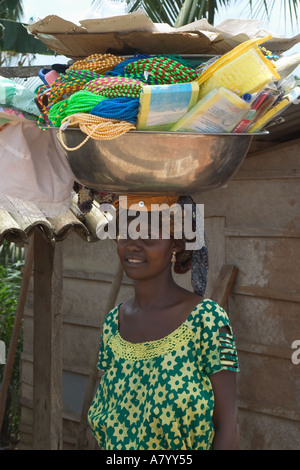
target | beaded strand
x=94, y=126
x=122, y=108
x=118, y=69
x=81, y=101
x=62, y=88
x=84, y=75
x=99, y=63
x=113, y=87
x=71, y=82
x=161, y=70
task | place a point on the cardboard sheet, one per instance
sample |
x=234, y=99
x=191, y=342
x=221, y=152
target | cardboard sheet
x=135, y=32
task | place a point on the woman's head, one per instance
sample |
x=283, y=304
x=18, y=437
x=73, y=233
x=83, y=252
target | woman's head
x=155, y=225
x=144, y=258
x=145, y=246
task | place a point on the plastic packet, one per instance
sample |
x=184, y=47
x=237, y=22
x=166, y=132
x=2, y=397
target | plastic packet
x=242, y=70
x=219, y=111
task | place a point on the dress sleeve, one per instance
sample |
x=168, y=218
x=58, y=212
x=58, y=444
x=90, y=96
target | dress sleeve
x=108, y=329
x=102, y=358
x=218, y=349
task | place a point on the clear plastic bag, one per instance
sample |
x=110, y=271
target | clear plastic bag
x=17, y=96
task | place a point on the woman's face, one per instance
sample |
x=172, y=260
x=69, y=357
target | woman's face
x=144, y=258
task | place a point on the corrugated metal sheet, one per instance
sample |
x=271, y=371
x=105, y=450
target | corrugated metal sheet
x=16, y=228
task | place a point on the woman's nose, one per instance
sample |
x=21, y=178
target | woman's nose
x=133, y=245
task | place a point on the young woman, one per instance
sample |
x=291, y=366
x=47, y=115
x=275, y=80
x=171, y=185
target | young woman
x=168, y=356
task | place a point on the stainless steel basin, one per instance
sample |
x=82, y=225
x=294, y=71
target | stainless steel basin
x=156, y=162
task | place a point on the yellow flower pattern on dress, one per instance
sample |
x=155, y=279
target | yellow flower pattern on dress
x=157, y=395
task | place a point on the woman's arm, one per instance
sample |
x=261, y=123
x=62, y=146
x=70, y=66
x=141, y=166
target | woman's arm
x=225, y=411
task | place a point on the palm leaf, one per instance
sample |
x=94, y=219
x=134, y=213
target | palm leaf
x=11, y=9
x=177, y=12
x=182, y=12
x=164, y=11
x=289, y=8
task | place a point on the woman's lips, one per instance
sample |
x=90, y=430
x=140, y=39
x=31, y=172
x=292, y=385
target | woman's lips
x=135, y=261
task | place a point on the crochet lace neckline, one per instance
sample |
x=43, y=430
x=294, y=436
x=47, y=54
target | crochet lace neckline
x=183, y=324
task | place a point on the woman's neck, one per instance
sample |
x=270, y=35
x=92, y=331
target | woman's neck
x=154, y=292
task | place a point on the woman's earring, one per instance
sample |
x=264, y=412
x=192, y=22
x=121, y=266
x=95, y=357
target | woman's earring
x=173, y=259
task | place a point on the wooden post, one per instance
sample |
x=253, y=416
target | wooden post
x=224, y=284
x=47, y=344
x=8, y=368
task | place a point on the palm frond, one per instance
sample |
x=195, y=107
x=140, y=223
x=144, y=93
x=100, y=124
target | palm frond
x=11, y=9
x=165, y=11
x=180, y=12
x=168, y=11
x=288, y=9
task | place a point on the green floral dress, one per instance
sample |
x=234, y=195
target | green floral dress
x=157, y=395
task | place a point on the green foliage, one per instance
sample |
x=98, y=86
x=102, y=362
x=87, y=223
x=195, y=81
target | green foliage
x=11, y=9
x=11, y=258
x=164, y=11
x=180, y=12
x=288, y=8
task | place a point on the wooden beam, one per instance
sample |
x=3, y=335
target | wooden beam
x=224, y=284
x=266, y=293
x=269, y=409
x=22, y=72
x=261, y=232
x=47, y=344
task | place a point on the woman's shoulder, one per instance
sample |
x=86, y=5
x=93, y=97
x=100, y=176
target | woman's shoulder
x=111, y=321
x=211, y=305
x=212, y=316
x=209, y=314
x=202, y=305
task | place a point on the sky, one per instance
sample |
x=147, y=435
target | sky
x=75, y=11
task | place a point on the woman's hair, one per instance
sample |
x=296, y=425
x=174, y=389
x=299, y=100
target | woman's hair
x=183, y=261
x=195, y=260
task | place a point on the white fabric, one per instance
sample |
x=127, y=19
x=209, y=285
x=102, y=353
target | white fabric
x=33, y=168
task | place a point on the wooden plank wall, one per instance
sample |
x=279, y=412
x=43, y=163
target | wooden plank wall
x=252, y=223
x=261, y=211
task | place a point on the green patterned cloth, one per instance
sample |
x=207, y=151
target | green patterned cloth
x=157, y=395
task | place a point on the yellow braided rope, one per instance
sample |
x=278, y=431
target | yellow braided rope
x=97, y=127
x=99, y=63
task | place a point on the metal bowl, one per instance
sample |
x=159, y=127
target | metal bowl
x=155, y=162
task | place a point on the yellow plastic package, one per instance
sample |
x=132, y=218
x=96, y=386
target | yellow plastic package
x=161, y=106
x=219, y=111
x=243, y=70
